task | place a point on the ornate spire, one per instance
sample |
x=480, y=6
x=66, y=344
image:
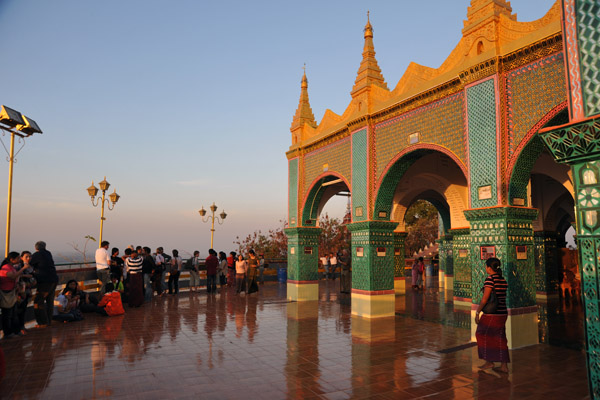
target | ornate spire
x=304, y=114
x=369, y=72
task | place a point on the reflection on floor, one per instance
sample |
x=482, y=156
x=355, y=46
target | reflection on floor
x=561, y=318
x=261, y=346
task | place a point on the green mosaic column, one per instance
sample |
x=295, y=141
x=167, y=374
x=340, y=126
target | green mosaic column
x=446, y=276
x=546, y=264
x=373, y=268
x=399, y=262
x=507, y=234
x=461, y=250
x=303, y=263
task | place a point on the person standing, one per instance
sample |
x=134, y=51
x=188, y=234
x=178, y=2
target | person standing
x=333, y=263
x=492, y=344
x=212, y=264
x=147, y=269
x=174, y=273
x=252, y=272
x=222, y=269
x=24, y=286
x=117, y=263
x=345, y=274
x=241, y=266
x=417, y=273
x=231, y=260
x=134, y=268
x=160, y=266
x=103, y=262
x=194, y=272
x=44, y=272
x=261, y=269
x=8, y=294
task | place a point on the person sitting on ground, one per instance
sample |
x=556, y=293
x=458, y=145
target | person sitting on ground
x=84, y=301
x=111, y=304
x=65, y=308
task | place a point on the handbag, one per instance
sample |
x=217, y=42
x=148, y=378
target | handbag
x=8, y=299
x=492, y=304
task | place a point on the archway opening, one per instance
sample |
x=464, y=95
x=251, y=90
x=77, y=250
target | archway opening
x=540, y=182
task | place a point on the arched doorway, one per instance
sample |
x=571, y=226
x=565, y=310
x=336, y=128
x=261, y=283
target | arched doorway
x=303, y=242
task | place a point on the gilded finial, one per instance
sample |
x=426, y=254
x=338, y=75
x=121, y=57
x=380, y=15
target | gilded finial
x=368, y=27
x=304, y=80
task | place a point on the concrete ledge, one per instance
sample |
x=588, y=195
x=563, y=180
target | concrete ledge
x=373, y=306
x=303, y=291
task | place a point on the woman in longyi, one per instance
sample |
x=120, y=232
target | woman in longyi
x=492, y=344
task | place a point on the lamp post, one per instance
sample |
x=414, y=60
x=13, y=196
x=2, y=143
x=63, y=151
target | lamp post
x=16, y=124
x=114, y=197
x=212, y=217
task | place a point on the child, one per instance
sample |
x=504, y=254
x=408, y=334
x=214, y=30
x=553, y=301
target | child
x=118, y=284
x=110, y=304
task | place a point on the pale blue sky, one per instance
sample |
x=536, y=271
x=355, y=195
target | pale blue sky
x=182, y=103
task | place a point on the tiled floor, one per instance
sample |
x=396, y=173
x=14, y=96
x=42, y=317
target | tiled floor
x=263, y=347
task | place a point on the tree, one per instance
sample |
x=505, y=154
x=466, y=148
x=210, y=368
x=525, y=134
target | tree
x=421, y=225
x=273, y=244
x=75, y=247
x=334, y=237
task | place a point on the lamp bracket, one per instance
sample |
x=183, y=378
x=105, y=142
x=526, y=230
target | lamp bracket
x=21, y=142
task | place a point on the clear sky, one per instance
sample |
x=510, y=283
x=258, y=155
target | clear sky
x=185, y=102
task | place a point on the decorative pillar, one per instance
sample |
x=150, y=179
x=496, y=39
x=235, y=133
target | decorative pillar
x=546, y=264
x=461, y=284
x=446, y=275
x=303, y=263
x=507, y=234
x=578, y=144
x=399, y=263
x=373, y=268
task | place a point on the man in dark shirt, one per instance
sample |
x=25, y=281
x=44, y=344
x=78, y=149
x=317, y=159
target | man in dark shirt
x=212, y=262
x=148, y=268
x=47, y=279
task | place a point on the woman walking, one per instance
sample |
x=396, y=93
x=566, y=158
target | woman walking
x=175, y=265
x=252, y=272
x=491, y=331
x=240, y=274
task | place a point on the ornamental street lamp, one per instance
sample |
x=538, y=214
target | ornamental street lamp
x=212, y=217
x=16, y=124
x=114, y=197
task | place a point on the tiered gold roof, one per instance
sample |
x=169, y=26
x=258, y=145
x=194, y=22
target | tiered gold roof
x=490, y=31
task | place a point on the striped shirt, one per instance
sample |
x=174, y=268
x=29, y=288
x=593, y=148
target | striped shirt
x=134, y=265
x=497, y=283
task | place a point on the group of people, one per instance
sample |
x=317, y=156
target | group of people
x=145, y=273
x=21, y=272
x=330, y=264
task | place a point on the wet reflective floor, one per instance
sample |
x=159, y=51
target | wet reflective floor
x=261, y=346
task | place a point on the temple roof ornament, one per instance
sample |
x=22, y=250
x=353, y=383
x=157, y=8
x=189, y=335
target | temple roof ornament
x=491, y=31
x=369, y=72
x=304, y=114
